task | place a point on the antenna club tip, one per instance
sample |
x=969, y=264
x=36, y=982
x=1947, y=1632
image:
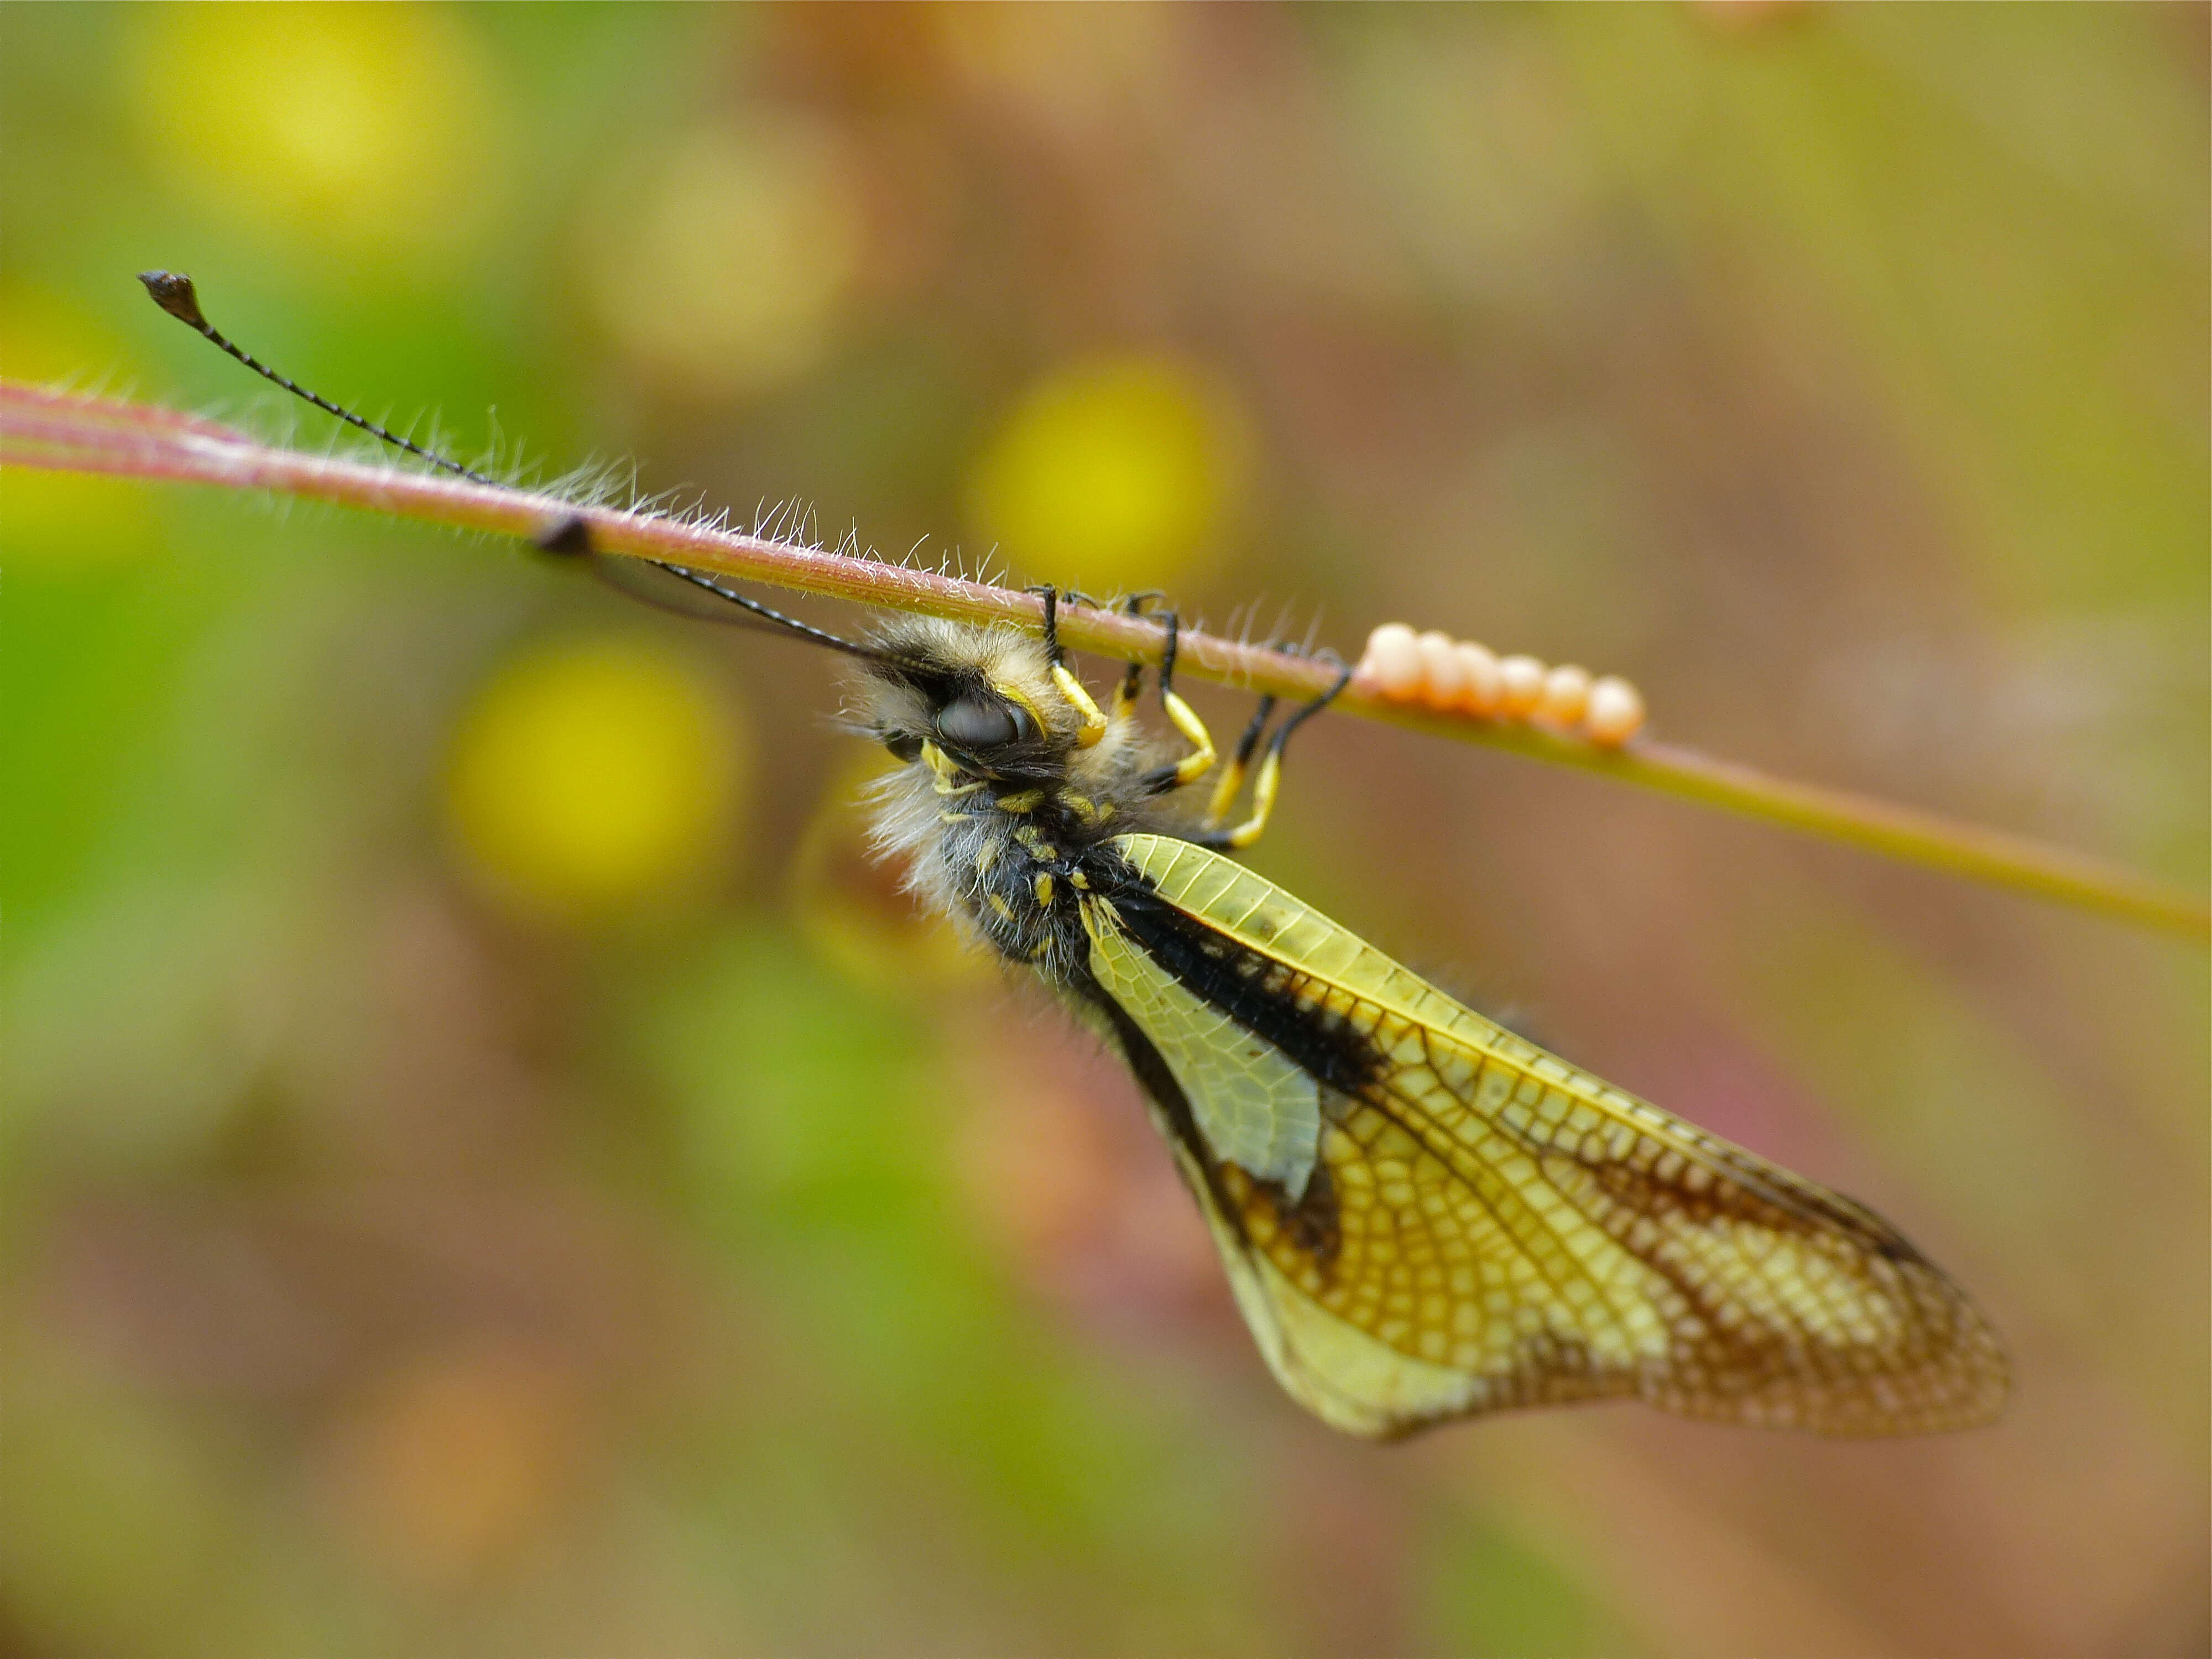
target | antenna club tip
x=173, y=292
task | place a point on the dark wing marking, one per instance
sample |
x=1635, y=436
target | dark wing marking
x=1484, y=1226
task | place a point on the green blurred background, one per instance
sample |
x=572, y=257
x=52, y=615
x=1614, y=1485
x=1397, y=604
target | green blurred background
x=489, y=1170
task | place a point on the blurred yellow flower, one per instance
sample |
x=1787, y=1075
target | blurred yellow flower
x=589, y=779
x=719, y=265
x=365, y=130
x=1112, y=474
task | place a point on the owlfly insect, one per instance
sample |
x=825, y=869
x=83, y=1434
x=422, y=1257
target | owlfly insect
x=1423, y=1215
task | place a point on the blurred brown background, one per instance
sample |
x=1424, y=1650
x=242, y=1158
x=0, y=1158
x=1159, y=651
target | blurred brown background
x=488, y=1170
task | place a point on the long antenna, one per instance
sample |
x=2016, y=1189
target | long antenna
x=572, y=537
x=173, y=292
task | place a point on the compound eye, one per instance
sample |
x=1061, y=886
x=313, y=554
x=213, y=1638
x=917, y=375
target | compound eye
x=974, y=723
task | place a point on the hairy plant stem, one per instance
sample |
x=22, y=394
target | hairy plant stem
x=69, y=433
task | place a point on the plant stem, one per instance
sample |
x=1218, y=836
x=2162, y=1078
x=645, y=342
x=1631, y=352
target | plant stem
x=68, y=432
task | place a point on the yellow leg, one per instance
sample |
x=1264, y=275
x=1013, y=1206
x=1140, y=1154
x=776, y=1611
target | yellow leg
x=1125, y=691
x=1132, y=677
x=1270, y=780
x=1197, y=763
x=1263, y=804
x=1079, y=696
x=1224, y=794
x=1232, y=775
x=1094, y=719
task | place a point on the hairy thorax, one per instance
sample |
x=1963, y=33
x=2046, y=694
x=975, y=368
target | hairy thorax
x=1014, y=861
x=1012, y=793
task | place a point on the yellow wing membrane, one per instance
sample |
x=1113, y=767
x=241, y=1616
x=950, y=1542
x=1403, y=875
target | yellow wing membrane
x=1256, y=1108
x=1479, y=1225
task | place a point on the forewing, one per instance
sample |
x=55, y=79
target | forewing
x=1486, y=1226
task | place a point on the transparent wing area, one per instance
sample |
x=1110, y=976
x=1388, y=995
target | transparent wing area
x=1255, y=1107
x=1486, y=1227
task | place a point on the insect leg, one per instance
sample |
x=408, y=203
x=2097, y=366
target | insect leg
x=1232, y=775
x=1132, y=677
x=1194, y=765
x=1271, y=769
x=1094, y=720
